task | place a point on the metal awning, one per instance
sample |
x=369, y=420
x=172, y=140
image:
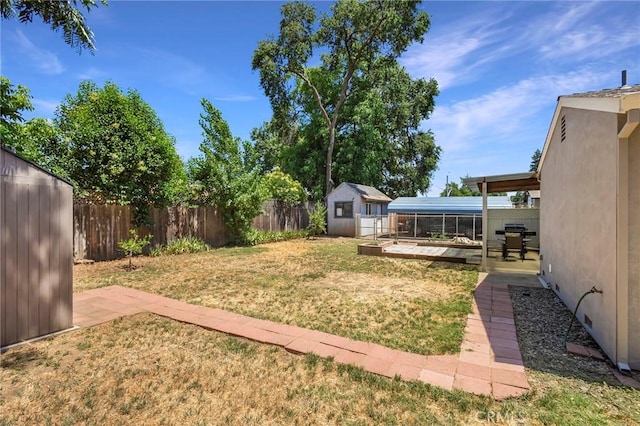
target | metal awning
x=505, y=183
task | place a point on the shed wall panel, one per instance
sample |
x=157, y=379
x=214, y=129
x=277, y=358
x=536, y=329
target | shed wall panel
x=36, y=263
x=9, y=284
x=22, y=283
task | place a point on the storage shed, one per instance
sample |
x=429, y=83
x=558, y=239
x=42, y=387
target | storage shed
x=349, y=202
x=36, y=250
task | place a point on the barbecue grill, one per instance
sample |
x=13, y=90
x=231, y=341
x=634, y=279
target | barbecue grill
x=514, y=234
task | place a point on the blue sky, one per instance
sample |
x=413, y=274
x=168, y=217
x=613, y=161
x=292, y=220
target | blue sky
x=500, y=67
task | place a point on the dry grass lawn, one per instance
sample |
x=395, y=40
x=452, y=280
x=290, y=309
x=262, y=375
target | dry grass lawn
x=150, y=370
x=322, y=284
x=146, y=369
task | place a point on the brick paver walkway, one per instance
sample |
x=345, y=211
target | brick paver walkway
x=489, y=362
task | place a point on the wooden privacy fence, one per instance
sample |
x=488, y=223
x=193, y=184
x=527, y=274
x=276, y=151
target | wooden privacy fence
x=97, y=229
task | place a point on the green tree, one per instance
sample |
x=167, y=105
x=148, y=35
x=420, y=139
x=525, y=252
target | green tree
x=463, y=190
x=114, y=146
x=535, y=160
x=60, y=15
x=282, y=187
x=226, y=174
x=522, y=197
x=350, y=41
x=14, y=100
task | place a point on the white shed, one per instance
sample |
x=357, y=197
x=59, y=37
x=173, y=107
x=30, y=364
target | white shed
x=348, y=201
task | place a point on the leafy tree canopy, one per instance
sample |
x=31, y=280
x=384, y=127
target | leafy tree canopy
x=62, y=15
x=14, y=100
x=113, y=145
x=282, y=187
x=354, y=43
x=225, y=174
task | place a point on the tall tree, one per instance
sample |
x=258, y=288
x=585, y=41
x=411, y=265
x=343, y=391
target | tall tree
x=117, y=148
x=62, y=15
x=535, y=160
x=349, y=41
x=226, y=174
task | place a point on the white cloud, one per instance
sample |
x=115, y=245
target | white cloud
x=235, y=98
x=45, y=60
x=500, y=116
x=594, y=42
x=91, y=74
x=44, y=107
x=173, y=70
x=458, y=56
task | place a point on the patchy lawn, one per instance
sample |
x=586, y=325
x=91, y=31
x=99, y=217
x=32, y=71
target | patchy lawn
x=413, y=305
x=146, y=369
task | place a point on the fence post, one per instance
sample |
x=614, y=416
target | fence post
x=474, y=227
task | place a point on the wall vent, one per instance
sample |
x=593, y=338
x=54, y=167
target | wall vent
x=587, y=321
x=563, y=129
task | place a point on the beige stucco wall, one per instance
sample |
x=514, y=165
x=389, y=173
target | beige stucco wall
x=345, y=227
x=578, y=218
x=634, y=249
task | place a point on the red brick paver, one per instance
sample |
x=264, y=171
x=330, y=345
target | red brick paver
x=489, y=362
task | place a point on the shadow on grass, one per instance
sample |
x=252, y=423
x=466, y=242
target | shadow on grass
x=20, y=359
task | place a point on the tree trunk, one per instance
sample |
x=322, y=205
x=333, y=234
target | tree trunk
x=332, y=140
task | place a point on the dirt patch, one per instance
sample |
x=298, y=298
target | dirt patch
x=363, y=287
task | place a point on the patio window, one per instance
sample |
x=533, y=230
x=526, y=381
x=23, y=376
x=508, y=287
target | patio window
x=368, y=209
x=344, y=209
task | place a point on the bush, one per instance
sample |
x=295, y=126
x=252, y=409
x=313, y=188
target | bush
x=255, y=237
x=318, y=221
x=134, y=245
x=180, y=246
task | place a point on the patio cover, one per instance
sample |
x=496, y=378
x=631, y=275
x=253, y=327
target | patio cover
x=499, y=183
x=506, y=183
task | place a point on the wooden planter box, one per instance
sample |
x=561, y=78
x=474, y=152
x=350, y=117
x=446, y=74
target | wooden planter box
x=372, y=249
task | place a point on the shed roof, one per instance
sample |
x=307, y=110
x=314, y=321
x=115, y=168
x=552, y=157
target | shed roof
x=447, y=205
x=31, y=163
x=368, y=193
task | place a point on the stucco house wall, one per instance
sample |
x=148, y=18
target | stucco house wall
x=634, y=248
x=578, y=246
x=590, y=217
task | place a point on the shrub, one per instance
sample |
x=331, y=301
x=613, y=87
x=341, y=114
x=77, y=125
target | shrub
x=255, y=237
x=180, y=246
x=318, y=221
x=134, y=245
